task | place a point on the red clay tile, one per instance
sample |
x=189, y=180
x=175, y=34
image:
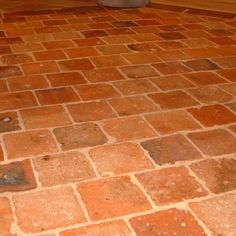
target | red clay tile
x=132, y=87
x=79, y=136
x=63, y=168
x=229, y=74
x=40, y=211
x=113, y=49
x=142, y=58
x=9, y=71
x=125, y=129
x=109, y=195
x=171, y=149
x=13, y=59
x=26, y=47
x=89, y=42
x=168, y=222
x=229, y=88
x=47, y=30
x=40, y=68
x=76, y=64
x=210, y=212
x=172, y=82
x=103, y=75
x=9, y=122
x=96, y=91
x=173, y=121
x=5, y=50
x=117, y=227
x=44, y=117
x=107, y=61
x=139, y=71
x=201, y=65
x=143, y=47
x=47, y=56
x=119, y=158
x=205, y=78
x=118, y=39
x=210, y=94
x=57, y=95
x=1, y=154
x=27, y=82
x=3, y=86
x=66, y=78
x=171, y=185
x=133, y=105
x=11, y=101
x=213, y=115
x=171, y=68
x=94, y=33
x=16, y=176
x=91, y=111
x=223, y=41
x=172, y=35
x=31, y=143
x=10, y=40
x=168, y=100
x=226, y=62
x=218, y=175
x=214, y=142
x=81, y=52
x=7, y=218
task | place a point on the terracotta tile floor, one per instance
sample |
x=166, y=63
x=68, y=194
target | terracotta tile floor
x=117, y=122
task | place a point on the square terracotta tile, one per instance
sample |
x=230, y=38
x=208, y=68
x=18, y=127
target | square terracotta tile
x=47, y=209
x=210, y=212
x=119, y=158
x=96, y=91
x=44, y=117
x=171, y=185
x=171, y=149
x=17, y=176
x=6, y=216
x=9, y=121
x=63, y=168
x=173, y=121
x=79, y=136
x=169, y=222
x=125, y=129
x=117, y=227
x=218, y=175
x=31, y=143
x=213, y=115
x=214, y=142
x=130, y=199
x=168, y=100
x=133, y=105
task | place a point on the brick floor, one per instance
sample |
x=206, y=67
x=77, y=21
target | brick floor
x=116, y=121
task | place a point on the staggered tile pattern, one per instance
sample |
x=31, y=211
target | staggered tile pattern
x=117, y=122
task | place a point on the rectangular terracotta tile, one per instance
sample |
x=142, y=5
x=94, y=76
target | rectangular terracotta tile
x=214, y=142
x=91, y=111
x=168, y=100
x=79, y=136
x=172, y=35
x=46, y=209
x=40, y=68
x=81, y=52
x=171, y=68
x=229, y=74
x=27, y=144
x=132, y=105
x=113, y=49
x=116, y=227
x=47, y=56
x=6, y=216
x=210, y=212
x=201, y=65
x=169, y=222
x=109, y=61
x=142, y=58
x=66, y=78
x=218, y=175
x=143, y=47
x=17, y=176
x=5, y=50
x=9, y=71
x=229, y=88
x=94, y=33
x=213, y=115
x=125, y=129
x=63, y=168
x=57, y=95
x=171, y=149
x=43, y=117
x=103, y=75
x=170, y=185
x=119, y=158
x=89, y=42
x=28, y=82
x=76, y=65
x=96, y=91
x=9, y=121
x=130, y=200
x=11, y=101
x=13, y=59
x=10, y=40
x=226, y=62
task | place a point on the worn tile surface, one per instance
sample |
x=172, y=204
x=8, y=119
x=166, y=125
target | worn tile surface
x=116, y=121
